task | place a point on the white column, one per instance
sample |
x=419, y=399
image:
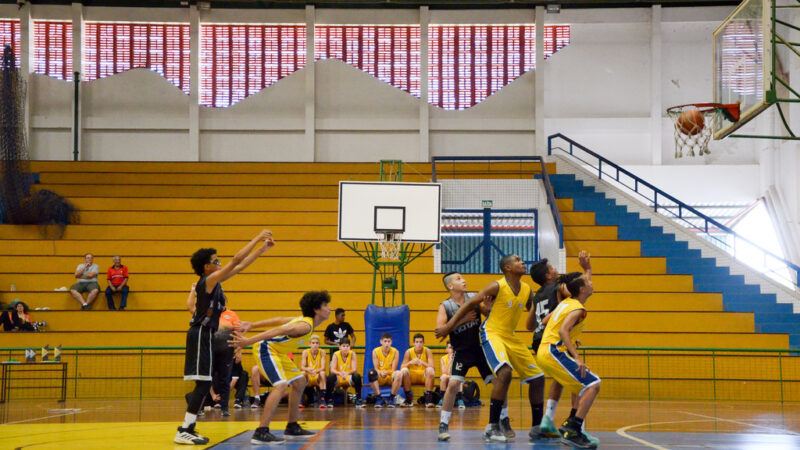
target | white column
x=26, y=63
x=424, y=121
x=655, y=85
x=77, y=71
x=541, y=135
x=310, y=89
x=194, y=82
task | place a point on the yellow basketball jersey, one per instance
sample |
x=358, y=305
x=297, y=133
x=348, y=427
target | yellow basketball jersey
x=385, y=361
x=423, y=357
x=343, y=364
x=285, y=344
x=507, y=308
x=446, y=362
x=557, y=319
x=315, y=363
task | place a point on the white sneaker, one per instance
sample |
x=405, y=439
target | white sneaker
x=399, y=401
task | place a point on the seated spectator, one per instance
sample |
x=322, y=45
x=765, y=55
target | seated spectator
x=339, y=330
x=418, y=369
x=117, y=282
x=313, y=367
x=86, y=274
x=239, y=380
x=384, y=373
x=17, y=318
x=344, y=372
x=446, y=362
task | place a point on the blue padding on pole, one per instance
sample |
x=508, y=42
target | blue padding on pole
x=378, y=320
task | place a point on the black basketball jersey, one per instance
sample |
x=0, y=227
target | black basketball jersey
x=215, y=302
x=465, y=337
x=545, y=301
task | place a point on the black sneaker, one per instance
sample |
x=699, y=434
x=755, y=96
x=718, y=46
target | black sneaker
x=187, y=436
x=294, y=431
x=575, y=438
x=429, y=399
x=444, y=432
x=505, y=425
x=359, y=403
x=225, y=413
x=494, y=434
x=262, y=436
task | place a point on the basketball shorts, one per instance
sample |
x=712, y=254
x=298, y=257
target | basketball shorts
x=197, y=364
x=463, y=360
x=417, y=376
x=313, y=380
x=559, y=365
x=509, y=350
x=385, y=381
x=276, y=367
x=345, y=381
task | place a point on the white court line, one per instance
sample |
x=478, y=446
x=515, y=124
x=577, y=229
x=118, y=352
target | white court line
x=743, y=423
x=622, y=432
x=45, y=417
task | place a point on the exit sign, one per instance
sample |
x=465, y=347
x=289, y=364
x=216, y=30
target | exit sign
x=486, y=203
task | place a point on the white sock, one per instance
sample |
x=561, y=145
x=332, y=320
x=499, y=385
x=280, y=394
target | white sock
x=550, y=409
x=189, y=419
x=583, y=426
x=445, y=417
x=504, y=413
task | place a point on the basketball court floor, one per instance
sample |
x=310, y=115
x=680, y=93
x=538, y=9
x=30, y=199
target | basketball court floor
x=617, y=423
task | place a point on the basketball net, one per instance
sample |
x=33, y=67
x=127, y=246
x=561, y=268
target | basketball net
x=694, y=137
x=390, y=246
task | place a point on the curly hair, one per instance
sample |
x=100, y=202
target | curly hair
x=312, y=301
x=200, y=258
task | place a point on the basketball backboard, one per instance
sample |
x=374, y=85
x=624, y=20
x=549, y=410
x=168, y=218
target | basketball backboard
x=743, y=63
x=366, y=210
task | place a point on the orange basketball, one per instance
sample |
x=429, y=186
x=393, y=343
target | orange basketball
x=691, y=122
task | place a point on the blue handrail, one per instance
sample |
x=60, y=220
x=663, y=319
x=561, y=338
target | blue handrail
x=659, y=195
x=551, y=199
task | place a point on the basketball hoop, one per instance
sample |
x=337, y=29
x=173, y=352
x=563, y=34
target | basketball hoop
x=390, y=245
x=694, y=124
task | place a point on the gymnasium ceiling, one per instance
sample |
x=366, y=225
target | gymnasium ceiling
x=434, y=4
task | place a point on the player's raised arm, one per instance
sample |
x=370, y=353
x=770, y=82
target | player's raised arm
x=235, y=265
x=292, y=330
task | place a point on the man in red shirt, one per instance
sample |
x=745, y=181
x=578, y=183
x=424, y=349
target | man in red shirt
x=117, y=282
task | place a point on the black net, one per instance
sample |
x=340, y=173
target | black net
x=17, y=204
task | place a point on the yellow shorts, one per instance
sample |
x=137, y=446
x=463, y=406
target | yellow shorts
x=313, y=380
x=510, y=350
x=385, y=381
x=559, y=365
x=417, y=376
x=345, y=381
x=276, y=367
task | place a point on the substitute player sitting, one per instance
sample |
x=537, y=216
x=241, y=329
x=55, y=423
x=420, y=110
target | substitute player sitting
x=446, y=364
x=270, y=351
x=344, y=372
x=559, y=359
x=417, y=369
x=313, y=367
x=384, y=360
x=504, y=350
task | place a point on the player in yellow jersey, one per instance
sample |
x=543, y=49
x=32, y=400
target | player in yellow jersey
x=504, y=350
x=344, y=372
x=446, y=364
x=558, y=357
x=417, y=369
x=270, y=349
x=313, y=367
x=384, y=373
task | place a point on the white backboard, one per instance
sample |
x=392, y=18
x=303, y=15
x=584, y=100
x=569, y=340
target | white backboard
x=365, y=207
x=743, y=63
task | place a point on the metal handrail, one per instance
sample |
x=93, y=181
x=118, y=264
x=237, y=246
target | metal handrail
x=551, y=199
x=659, y=194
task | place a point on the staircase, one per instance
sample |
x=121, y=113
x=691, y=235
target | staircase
x=703, y=305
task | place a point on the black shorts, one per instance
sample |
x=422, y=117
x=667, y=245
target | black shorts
x=198, y=354
x=463, y=360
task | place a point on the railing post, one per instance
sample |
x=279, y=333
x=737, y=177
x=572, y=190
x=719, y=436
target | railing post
x=76, y=373
x=487, y=232
x=141, y=371
x=780, y=373
x=649, y=394
x=714, y=374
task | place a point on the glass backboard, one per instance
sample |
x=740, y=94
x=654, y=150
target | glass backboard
x=743, y=63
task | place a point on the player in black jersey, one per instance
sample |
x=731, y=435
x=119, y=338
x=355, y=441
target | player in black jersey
x=209, y=305
x=552, y=290
x=466, y=344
